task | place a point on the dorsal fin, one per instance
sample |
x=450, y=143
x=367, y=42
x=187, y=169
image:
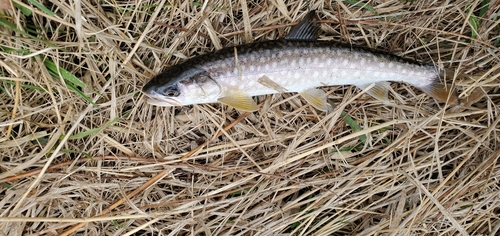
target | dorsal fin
x=306, y=30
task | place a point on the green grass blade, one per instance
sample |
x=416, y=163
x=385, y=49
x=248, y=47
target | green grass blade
x=484, y=7
x=354, y=126
x=95, y=130
x=79, y=92
x=474, y=23
x=7, y=186
x=27, y=86
x=9, y=25
x=67, y=76
x=42, y=7
x=16, y=50
x=71, y=80
x=24, y=10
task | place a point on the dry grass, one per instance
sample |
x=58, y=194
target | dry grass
x=113, y=165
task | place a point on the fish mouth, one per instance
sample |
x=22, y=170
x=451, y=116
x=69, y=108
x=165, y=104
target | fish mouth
x=160, y=101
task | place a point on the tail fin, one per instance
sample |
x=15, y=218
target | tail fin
x=441, y=92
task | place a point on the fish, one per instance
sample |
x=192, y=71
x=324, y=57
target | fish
x=298, y=63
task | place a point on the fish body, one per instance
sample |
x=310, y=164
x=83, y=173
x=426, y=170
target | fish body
x=232, y=75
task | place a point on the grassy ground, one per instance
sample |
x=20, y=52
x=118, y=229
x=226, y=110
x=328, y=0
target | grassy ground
x=82, y=153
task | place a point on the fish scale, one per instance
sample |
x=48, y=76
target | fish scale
x=299, y=63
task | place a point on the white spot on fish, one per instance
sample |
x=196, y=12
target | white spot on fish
x=329, y=61
x=267, y=67
x=399, y=67
x=274, y=65
x=316, y=60
x=391, y=65
x=381, y=64
x=259, y=68
x=301, y=61
x=252, y=68
x=308, y=60
x=293, y=63
x=352, y=66
x=262, y=59
x=323, y=57
x=356, y=56
x=282, y=81
x=344, y=73
x=316, y=74
x=357, y=73
x=345, y=62
x=363, y=61
x=232, y=82
x=296, y=75
x=325, y=73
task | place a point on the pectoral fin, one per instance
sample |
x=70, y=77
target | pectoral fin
x=378, y=91
x=240, y=101
x=315, y=97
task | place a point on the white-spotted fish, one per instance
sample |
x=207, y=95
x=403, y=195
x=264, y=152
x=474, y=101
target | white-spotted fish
x=298, y=63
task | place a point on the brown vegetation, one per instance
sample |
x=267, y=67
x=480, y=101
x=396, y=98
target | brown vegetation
x=82, y=153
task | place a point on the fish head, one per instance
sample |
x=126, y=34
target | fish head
x=182, y=85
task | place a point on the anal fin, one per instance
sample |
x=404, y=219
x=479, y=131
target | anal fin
x=240, y=101
x=379, y=91
x=316, y=97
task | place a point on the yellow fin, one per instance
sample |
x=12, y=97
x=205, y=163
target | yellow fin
x=441, y=92
x=240, y=101
x=315, y=97
x=378, y=91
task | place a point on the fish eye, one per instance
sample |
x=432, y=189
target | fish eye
x=171, y=92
